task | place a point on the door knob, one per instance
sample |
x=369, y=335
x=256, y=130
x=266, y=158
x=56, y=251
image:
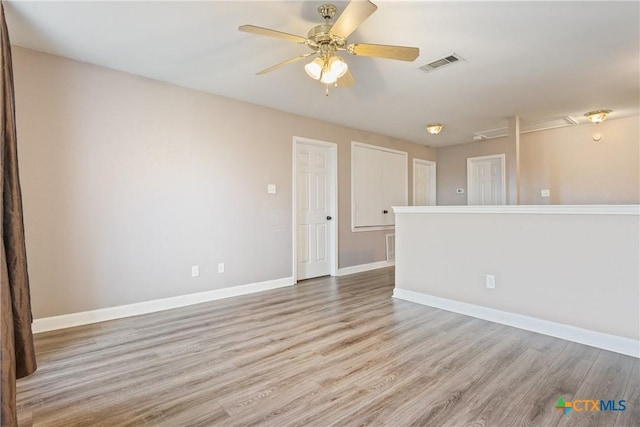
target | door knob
x=329, y=218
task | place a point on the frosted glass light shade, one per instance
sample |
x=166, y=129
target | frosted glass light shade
x=328, y=77
x=338, y=66
x=314, y=68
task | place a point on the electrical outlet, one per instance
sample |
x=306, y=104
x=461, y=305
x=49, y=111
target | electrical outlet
x=545, y=193
x=195, y=271
x=491, y=281
x=221, y=267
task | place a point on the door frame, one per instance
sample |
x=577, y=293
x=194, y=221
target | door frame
x=432, y=181
x=470, y=161
x=333, y=200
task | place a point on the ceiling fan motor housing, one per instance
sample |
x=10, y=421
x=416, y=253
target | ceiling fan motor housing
x=321, y=35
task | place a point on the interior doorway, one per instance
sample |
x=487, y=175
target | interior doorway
x=424, y=183
x=314, y=208
x=486, y=180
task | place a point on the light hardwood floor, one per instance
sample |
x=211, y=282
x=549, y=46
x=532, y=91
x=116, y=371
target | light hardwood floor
x=329, y=351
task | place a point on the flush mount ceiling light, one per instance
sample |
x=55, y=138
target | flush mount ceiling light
x=434, y=128
x=598, y=116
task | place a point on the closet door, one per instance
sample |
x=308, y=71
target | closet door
x=367, y=181
x=379, y=181
x=394, y=179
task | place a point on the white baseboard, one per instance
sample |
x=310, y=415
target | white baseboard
x=364, y=267
x=100, y=315
x=601, y=340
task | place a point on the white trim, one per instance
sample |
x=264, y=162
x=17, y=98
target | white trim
x=432, y=180
x=609, y=342
x=45, y=324
x=364, y=267
x=525, y=209
x=373, y=228
x=333, y=229
x=377, y=147
x=503, y=163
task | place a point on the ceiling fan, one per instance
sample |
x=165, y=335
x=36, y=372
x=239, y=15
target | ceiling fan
x=326, y=40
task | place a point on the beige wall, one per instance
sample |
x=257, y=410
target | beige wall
x=576, y=169
x=578, y=270
x=127, y=182
x=452, y=168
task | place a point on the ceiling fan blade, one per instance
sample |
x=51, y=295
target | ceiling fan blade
x=287, y=62
x=271, y=33
x=402, y=53
x=346, y=81
x=356, y=12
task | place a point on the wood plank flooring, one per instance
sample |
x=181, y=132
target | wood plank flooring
x=329, y=351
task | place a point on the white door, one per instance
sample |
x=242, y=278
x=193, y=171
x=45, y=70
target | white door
x=315, y=181
x=486, y=180
x=394, y=185
x=378, y=182
x=424, y=183
x=366, y=186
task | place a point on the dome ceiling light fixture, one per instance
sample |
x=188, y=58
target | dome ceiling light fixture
x=597, y=116
x=434, y=128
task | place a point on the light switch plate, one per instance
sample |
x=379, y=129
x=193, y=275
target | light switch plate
x=271, y=189
x=491, y=281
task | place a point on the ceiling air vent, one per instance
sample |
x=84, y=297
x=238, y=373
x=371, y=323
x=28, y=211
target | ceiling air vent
x=439, y=63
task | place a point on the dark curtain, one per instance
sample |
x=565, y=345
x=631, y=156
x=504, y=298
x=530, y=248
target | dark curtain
x=18, y=354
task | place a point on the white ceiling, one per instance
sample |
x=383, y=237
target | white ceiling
x=538, y=60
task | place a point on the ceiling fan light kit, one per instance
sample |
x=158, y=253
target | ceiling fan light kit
x=328, y=71
x=327, y=39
